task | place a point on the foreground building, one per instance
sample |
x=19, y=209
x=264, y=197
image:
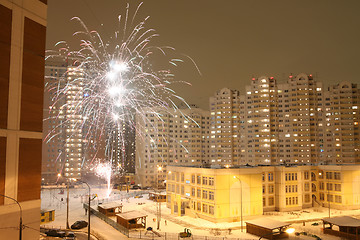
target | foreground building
x=22, y=56
x=219, y=194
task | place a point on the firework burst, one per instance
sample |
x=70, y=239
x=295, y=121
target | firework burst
x=111, y=82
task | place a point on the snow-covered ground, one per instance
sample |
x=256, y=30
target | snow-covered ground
x=52, y=199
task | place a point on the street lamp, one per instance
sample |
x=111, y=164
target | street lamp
x=20, y=223
x=67, y=201
x=241, y=207
x=88, y=206
x=159, y=168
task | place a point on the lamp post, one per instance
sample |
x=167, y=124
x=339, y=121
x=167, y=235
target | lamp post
x=88, y=206
x=159, y=168
x=20, y=223
x=67, y=201
x=241, y=207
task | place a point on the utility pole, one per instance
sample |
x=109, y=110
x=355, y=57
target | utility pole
x=67, y=204
x=157, y=198
x=21, y=226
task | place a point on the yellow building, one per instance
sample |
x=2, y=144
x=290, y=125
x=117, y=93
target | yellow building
x=217, y=194
x=214, y=194
x=47, y=216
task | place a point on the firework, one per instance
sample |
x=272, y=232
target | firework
x=111, y=83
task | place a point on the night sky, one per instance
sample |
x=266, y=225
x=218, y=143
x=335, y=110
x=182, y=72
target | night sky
x=232, y=41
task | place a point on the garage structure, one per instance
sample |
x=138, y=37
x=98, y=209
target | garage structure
x=131, y=219
x=267, y=228
x=347, y=227
x=110, y=209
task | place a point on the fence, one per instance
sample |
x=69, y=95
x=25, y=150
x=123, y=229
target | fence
x=175, y=236
x=154, y=235
x=109, y=221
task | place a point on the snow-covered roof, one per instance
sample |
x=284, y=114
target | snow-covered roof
x=110, y=205
x=343, y=221
x=131, y=215
x=267, y=223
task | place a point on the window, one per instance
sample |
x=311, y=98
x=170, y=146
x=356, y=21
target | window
x=306, y=186
x=337, y=199
x=198, y=206
x=182, y=190
x=198, y=194
x=321, y=186
x=198, y=179
x=271, y=188
x=264, y=202
x=270, y=177
x=329, y=186
x=338, y=187
x=205, y=208
x=306, y=175
x=263, y=189
x=322, y=196
x=307, y=198
x=204, y=180
x=330, y=198
x=336, y=175
x=193, y=192
x=211, y=210
x=205, y=194
x=182, y=177
x=211, y=195
x=193, y=178
x=211, y=181
x=271, y=201
x=290, y=176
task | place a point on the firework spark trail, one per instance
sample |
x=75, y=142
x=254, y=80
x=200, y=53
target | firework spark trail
x=118, y=82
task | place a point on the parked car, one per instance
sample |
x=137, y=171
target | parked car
x=136, y=187
x=55, y=233
x=70, y=236
x=138, y=196
x=79, y=224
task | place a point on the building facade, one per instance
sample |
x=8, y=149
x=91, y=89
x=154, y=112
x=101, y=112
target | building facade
x=219, y=194
x=170, y=137
x=295, y=122
x=63, y=134
x=22, y=56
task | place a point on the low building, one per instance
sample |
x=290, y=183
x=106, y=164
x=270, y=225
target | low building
x=226, y=194
x=110, y=209
x=215, y=194
x=131, y=219
x=47, y=216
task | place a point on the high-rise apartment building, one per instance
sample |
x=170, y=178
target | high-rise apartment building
x=170, y=137
x=224, y=107
x=54, y=117
x=22, y=56
x=340, y=124
x=72, y=143
x=294, y=122
x=63, y=144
